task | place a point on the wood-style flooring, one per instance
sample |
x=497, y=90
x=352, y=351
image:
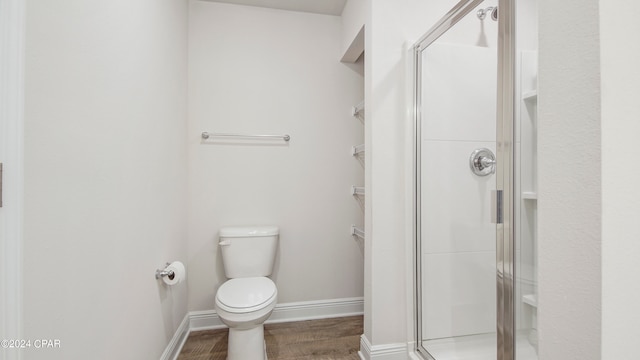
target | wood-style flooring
x=326, y=339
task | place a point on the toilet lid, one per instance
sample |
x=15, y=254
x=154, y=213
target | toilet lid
x=245, y=294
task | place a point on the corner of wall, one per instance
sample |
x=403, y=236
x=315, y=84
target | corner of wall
x=172, y=351
x=396, y=351
x=569, y=180
x=12, y=157
x=354, y=17
x=355, y=48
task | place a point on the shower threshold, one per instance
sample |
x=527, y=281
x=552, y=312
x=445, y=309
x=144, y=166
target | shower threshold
x=476, y=347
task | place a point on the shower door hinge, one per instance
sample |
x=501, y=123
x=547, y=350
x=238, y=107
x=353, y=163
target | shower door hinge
x=496, y=207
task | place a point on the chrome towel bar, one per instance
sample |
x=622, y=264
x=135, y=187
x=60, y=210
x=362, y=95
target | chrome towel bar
x=207, y=135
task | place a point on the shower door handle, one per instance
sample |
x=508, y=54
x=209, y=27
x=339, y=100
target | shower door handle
x=496, y=206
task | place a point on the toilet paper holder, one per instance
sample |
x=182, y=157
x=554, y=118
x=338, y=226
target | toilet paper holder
x=162, y=273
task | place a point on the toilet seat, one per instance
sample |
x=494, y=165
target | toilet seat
x=245, y=295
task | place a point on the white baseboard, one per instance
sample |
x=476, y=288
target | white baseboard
x=179, y=338
x=321, y=309
x=382, y=352
x=287, y=312
x=204, y=320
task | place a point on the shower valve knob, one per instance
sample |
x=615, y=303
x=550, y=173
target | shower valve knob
x=486, y=162
x=482, y=162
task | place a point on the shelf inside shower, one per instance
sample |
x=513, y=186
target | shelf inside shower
x=531, y=95
x=530, y=299
x=358, y=110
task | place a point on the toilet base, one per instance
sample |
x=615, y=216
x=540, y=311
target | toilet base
x=247, y=344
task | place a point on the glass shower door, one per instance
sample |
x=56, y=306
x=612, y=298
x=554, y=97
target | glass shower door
x=464, y=261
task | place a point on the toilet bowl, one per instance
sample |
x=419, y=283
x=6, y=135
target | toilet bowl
x=243, y=305
x=247, y=299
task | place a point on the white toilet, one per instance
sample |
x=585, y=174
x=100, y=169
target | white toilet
x=246, y=300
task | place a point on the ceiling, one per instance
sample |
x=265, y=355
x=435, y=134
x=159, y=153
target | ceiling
x=327, y=7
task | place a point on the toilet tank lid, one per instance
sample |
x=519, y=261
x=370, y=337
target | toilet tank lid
x=249, y=231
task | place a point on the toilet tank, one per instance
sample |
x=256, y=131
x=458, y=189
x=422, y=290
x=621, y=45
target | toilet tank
x=248, y=251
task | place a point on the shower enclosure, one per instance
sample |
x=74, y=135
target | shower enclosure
x=475, y=205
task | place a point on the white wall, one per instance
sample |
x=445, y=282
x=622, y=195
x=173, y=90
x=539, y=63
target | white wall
x=256, y=70
x=569, y=181
x=11, y=139
x=384, y=178
x=105, y=176
x=588, y=216
x=458, y=239
x=620, y=77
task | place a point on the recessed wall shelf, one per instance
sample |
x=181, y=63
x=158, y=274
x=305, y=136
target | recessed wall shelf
x=358, y=109
x=530, y=95
x=357, y=150
x=357, y=190
x=530, y=299
x=356, y=231
x=527, y=209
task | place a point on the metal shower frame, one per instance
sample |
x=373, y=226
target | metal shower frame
x=505, y=231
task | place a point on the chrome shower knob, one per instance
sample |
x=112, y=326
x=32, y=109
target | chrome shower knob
x=482, y=162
